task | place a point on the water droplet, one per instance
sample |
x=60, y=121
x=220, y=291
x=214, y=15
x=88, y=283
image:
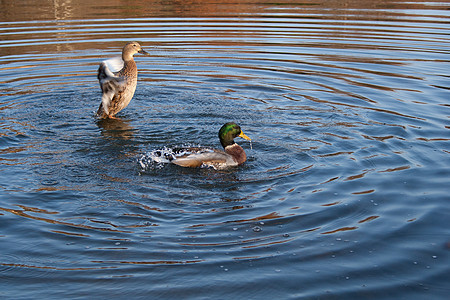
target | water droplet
x=257, y=229
x=235, y=228
x=261, y=223
x=338, y=239
x=286, y=235
x=117, y=243
x=434, y=256
x=347, y=278
x=278, y=270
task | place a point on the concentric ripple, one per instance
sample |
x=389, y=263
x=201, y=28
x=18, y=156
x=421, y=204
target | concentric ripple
x=344, y=191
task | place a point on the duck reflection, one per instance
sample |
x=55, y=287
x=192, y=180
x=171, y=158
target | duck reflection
x=116, y=128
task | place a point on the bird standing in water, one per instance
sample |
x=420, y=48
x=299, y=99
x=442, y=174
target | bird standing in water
x=118, y=79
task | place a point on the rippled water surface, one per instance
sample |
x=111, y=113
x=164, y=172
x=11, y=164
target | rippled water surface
x=345, y=192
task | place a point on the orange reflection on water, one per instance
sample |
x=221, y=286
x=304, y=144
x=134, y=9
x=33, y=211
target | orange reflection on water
x=331, y=204
x=340, y=229
x=331, y=179
x=37, y=210
x=395, y=169
x=371, y=218
x=363, y=192
x=156, y=262
x=70, y=233
x=358, y=176
x=381, y=138
x=22, y=213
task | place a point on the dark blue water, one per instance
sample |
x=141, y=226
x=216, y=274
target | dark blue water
x=345, y=192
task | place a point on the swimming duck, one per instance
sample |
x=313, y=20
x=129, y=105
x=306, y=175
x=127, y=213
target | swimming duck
x=232, y=156
x=118, y=78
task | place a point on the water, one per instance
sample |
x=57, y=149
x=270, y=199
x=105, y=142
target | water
x=345, y=191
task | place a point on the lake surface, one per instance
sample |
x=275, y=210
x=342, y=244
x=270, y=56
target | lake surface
x=345, y=192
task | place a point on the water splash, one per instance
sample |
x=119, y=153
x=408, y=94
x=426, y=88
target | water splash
x=156, y=159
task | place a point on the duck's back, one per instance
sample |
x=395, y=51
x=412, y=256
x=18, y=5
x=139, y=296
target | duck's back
x=197, y=157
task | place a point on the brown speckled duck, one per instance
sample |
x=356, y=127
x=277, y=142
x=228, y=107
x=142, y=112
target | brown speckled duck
x=233, y=155
x=118, y=79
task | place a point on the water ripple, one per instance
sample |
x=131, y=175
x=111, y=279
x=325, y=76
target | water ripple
x=345, y=178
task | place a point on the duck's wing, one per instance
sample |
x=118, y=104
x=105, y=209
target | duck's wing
x=204, y=157
x=110, y=83
x=114, y=64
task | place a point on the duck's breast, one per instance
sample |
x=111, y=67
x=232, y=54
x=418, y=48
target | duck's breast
x=237, y=153
x=129, y=73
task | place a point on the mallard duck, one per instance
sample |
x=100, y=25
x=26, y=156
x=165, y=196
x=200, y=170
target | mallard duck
x=118, y=78
x=197, y=156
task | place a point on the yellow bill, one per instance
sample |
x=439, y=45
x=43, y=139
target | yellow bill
x=242, y=135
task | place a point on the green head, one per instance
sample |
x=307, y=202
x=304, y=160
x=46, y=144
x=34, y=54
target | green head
x=228, y=132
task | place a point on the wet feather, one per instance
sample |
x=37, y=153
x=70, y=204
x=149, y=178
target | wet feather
x=118, y=80
x=233, y=154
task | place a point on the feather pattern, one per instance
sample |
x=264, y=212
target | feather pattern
x=110, y=85
x=114, y=64
x=205, y=157
x=118, y=80
x=195, y=157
